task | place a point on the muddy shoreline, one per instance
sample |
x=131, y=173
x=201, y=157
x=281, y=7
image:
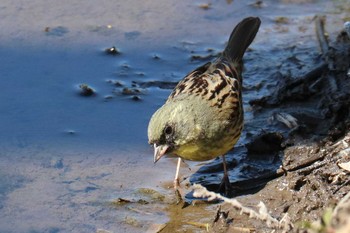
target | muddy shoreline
x=313, y=111
x=304, y=175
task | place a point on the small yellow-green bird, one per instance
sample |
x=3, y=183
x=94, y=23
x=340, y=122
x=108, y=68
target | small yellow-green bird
x=203, y=116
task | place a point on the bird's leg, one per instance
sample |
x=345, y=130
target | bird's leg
x=177, y=182
x=225, y=185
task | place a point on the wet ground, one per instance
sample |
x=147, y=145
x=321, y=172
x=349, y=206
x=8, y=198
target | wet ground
x=79, y=83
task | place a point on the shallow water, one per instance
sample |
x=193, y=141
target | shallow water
x=65, y=157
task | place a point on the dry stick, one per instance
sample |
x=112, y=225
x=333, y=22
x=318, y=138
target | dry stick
x=303, y=167
x=307, y=165
x=321, y=35
x=285, y=223
x=307, y=162
x=313, y=166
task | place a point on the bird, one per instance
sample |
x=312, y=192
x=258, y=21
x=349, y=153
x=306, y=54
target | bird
x=203, y=117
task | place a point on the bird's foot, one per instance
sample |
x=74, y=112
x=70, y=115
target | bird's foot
x=225, y=186
x=178, y=195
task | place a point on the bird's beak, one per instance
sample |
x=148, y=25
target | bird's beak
x=159, y=151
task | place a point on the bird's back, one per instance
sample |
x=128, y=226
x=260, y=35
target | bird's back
x=219, y=83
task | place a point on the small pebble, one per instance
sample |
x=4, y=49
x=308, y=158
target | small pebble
x=70, y=132
x=118, y=84
x=282, y=20
x=125, y=66
x=115, y=83
x=85, y=90
x=112, y=51
x=156, y=57
x=108, y=97
x=205, y=6
x=131, y=91
x=136, y=98
x=127, y=91
x=258, y=4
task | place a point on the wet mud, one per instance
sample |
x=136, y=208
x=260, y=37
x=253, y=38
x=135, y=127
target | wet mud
x=293, y=165
x=306, y=138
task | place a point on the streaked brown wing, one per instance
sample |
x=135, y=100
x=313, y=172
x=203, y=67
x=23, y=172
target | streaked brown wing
x=218, y=82
x=191, y=81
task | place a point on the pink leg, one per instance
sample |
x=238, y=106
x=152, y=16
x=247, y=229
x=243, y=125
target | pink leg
x=177, y=182
x=225, y=185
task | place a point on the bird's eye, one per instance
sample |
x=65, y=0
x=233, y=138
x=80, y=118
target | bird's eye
x=168, y=130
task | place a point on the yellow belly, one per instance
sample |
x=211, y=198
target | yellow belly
x=199, y=151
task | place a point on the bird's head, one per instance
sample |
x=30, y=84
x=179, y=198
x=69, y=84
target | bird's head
x=172, y=126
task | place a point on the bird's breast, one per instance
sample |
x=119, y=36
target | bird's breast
x=206, y=150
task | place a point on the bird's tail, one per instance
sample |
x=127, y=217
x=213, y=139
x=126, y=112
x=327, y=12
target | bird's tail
x=241, y=37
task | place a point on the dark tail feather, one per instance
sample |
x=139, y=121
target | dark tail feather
x=241, y=37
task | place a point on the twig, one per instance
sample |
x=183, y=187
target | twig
x=321, y=35
x=307, y=162
x=285, y=223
